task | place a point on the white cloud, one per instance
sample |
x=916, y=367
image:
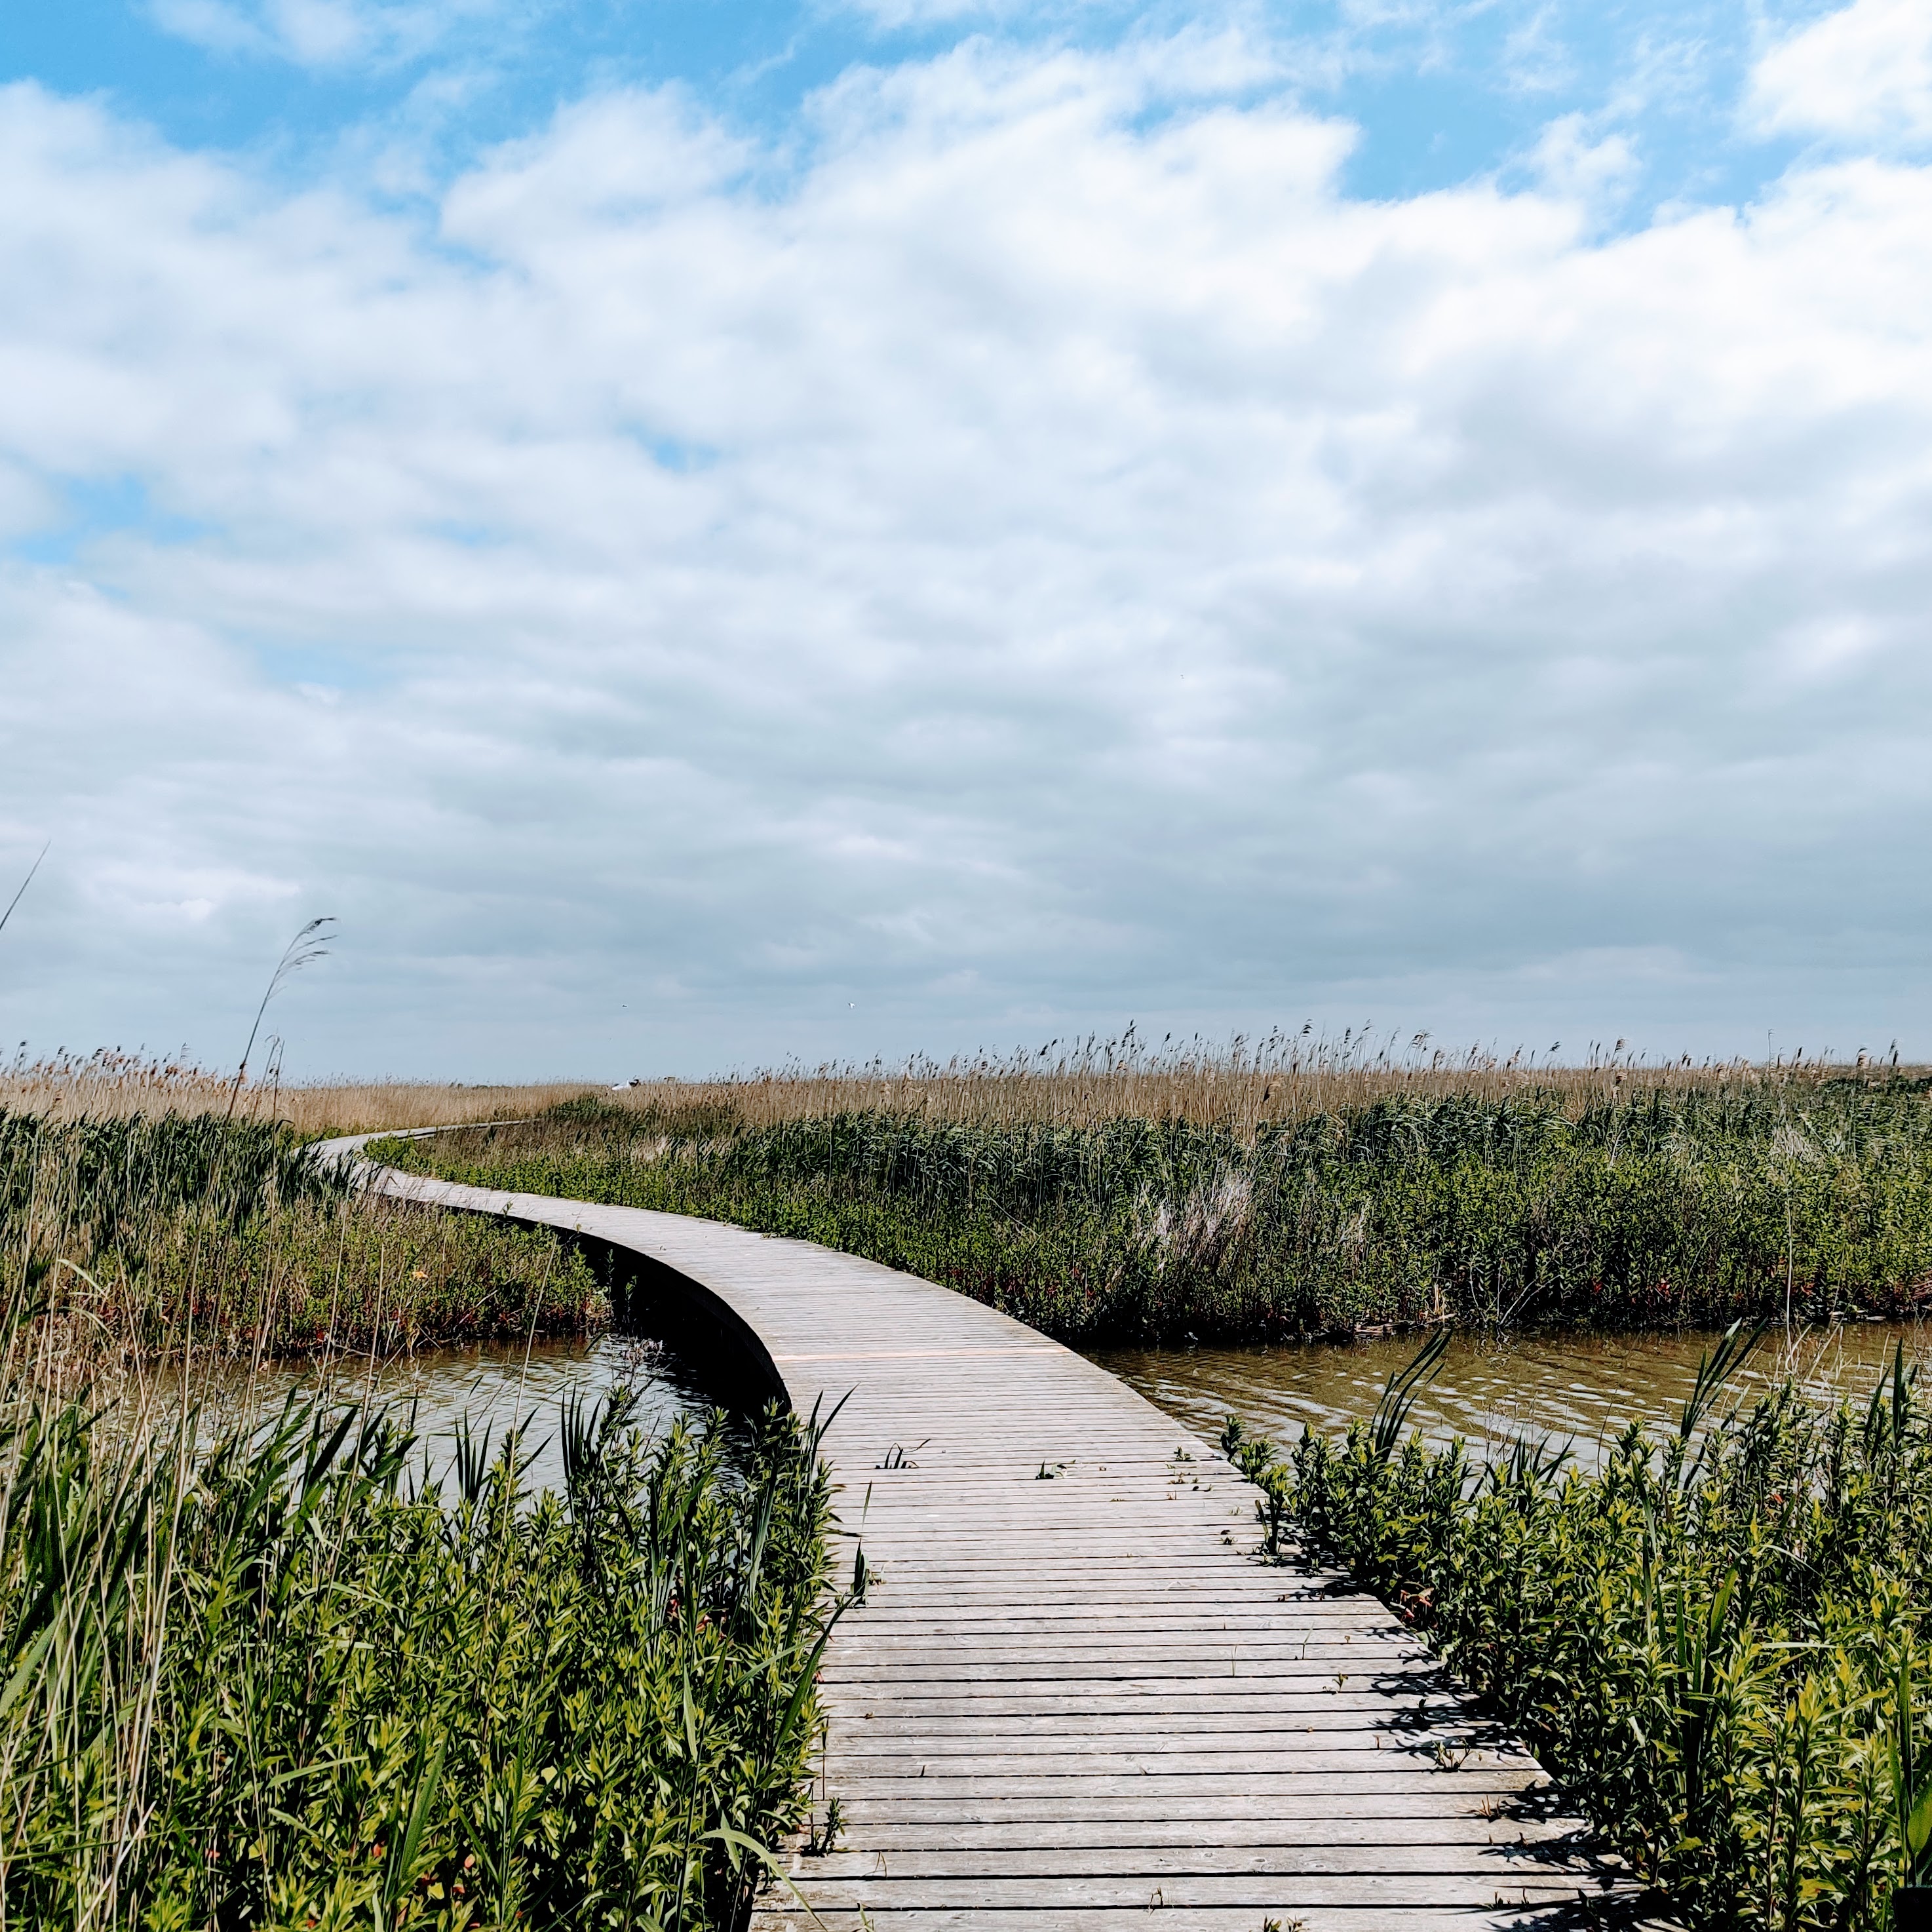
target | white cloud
x=1050, y=555
x=1569, y=164
x=1864, y=73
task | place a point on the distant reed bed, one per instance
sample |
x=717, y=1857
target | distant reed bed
x=110, y=1084
x=1716, y=1641
x=1641, y=1201
x=1240, y=1084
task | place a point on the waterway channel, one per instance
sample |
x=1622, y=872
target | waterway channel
x=494, y=1388
x=1490, y=1391
x=1582, y=1388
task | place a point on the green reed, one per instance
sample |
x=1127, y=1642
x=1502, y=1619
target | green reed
x=1664, y=1205
x=277, y=1677
x=156, y=1236
x=99, y=1184
x=278, y=1684
x=1716, y=1642
x=360, y=1275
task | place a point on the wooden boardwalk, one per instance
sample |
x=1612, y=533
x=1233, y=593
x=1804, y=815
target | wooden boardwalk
x=1072, y=1696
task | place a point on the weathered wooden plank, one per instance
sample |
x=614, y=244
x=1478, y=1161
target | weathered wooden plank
x=1211, y=1649
x=1451, y=1857
x=1073, y=1696
x=1313, y=1831
x=1557, y=1916
x=1404, y=1795
x=1449, y=1747
x=1039, y=1771
x=952, y=1744
x=1074, y=1718
x=1260, y=1893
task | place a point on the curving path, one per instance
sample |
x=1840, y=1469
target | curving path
x=1071, y=1696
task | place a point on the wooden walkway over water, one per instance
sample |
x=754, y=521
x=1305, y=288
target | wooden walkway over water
x=1072, y=1696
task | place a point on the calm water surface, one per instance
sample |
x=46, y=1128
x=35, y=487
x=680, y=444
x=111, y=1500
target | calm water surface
x=1582, y=1387
x=495, y=1387
x=1585, y=1387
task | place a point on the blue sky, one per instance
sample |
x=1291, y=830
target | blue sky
x=1440, y=92
x=707, y=535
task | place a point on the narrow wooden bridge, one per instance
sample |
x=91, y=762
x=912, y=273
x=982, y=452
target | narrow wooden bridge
x=1071, y=1697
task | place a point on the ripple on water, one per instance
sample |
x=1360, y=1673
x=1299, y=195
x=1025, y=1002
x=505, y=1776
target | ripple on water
x=494, y=1386
x=1491, y=1391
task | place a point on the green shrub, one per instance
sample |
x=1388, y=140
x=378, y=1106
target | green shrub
x=1715, y=1642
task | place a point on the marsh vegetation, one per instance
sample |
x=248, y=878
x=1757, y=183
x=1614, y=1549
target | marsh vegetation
x=600, y=1706
x=1715, y=1639
x=149, y=1239
x=1611, y=1201
x=283, y=1664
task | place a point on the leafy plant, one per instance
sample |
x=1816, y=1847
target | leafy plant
x=1713, y=1641
x=267, y=1685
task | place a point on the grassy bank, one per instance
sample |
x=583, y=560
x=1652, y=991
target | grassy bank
x=1717, y=1642
x=1677, y=1202
x=152, y=1236
x=275, y=1678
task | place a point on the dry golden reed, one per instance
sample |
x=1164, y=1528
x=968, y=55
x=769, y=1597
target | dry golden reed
x=111, y=1085
x=1240, y=1084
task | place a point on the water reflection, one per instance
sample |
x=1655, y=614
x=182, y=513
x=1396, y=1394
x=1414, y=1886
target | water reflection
x=497, y=1387
x=1491, y=1391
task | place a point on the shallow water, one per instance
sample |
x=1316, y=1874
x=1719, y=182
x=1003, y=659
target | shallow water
x=1582, y=1387
x=495, y=1387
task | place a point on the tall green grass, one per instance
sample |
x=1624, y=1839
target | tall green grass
x=278, y=1685
x=278, y=1678
x=100, y=1183
x=360, y=1276
x=1671, y=1204
x=1716, y=1642
x=179, y=1233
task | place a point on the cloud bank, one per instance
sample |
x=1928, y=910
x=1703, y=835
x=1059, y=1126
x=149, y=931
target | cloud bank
x=1862, y=74
x=1029, y=552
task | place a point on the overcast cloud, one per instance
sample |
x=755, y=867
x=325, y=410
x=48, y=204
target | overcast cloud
x=1019, y=547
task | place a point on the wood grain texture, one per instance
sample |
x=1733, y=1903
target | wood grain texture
x=1073, y=1698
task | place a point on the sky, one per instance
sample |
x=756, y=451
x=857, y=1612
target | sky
x=710, y=536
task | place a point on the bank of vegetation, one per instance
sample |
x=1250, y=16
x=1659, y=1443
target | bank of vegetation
x=260, y=1670
x=271, y=1684
x=1715, y=1641
x=1671, y=1202
x=187, y=1234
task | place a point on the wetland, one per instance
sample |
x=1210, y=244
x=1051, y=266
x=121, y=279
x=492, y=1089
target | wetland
x=1673, y=1205
x=310, y=1619
x=352, y=1571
